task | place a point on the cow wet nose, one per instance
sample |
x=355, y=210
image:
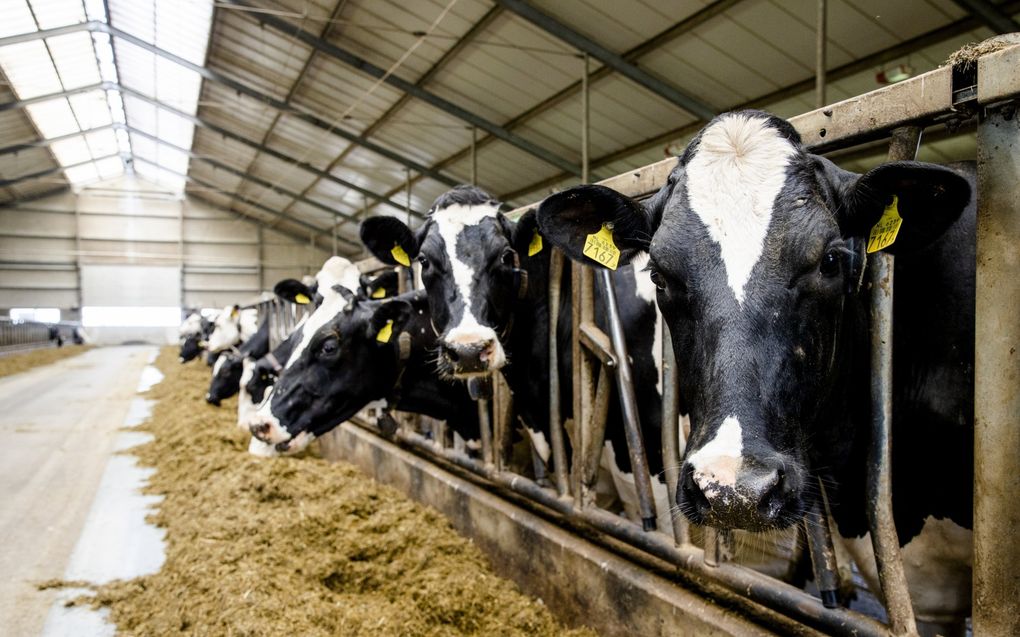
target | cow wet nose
x=469, y=357
x=755, y=499
x=260, y=430
x=215, y=402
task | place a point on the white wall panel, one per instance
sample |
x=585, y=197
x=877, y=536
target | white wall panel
x=131, y=285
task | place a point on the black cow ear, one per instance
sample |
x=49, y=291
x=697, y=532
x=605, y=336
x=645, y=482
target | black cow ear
x=526, y=240
x=567, y=220
x=927, y=197
x=294, y=291
x=390, y=240
x=382, y=286
x=389, y=320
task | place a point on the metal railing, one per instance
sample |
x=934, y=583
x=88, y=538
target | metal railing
x=25, y=335
x=946, y=96
x=283, y=316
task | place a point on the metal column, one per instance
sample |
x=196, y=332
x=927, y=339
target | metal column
x=820, y=53
x=884, y=539
x=997, y=377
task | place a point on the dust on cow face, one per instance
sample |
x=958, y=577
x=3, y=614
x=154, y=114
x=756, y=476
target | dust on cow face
x=756, y=249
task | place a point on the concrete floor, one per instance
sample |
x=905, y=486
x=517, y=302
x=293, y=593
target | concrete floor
x=70, y=509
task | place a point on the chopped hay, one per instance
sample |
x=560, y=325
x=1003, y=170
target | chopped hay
x=296, y=546
x=24, y=361
x=968, y=54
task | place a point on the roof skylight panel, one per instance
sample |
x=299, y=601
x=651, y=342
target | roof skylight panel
x=71, y=151
x=29, y=70
x=136, y=67
x=53, y=118
x=75, y=59
x=91, y=109
x=102, y=143
x=110, y=167
x=123, y=142
x=172, y=159
x=57, y=13
x=116, y=106
x=17, y=18
x=182, y=27
x=177, y=86
x=95, y=10
x=174, y=128
x=83, y=174
x=104, y=54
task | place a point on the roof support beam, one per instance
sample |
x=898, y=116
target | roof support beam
x=355, y=61
x=660, y=87
x=991, y=15
x=246, y=177
x=244, y=200
x=662, y=38
x=483, y=23
x=220, y=78
x=865, y=63
x=209, y=126
x=48, y=172
x=45, y=143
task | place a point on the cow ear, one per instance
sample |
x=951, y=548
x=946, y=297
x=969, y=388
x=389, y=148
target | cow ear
x=235, y=311
x=927, y=197
x=382, y=286
x=389, y=320
x=294, y=291
x=390, y=240
x=568, y=218
x=526, y=239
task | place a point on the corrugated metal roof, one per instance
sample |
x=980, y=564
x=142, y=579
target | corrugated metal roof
x=284, y=102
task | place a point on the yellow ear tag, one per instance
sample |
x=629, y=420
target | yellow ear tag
x=385, y=333
x=379, y=293
x=536, y=244
x=884, y=232
x=301, y=299
x=601, y=248
x=400, y=256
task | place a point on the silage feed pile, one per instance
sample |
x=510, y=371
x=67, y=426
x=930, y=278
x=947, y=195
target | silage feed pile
x=24, y=361
x=296, y=546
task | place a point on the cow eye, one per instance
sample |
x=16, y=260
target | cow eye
x=830, y=265
x=329, y=347
x=508, y=258
x=657, y=279
x=423, y=260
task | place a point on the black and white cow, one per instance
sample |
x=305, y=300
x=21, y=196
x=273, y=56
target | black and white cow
x=371, y=350
x=226, y=375
x=259, y=375
x=757, y=249
x=232, y=327
x=193, y=334
x=487, y=283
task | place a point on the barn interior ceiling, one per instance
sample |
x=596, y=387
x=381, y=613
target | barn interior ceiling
x=307, y=115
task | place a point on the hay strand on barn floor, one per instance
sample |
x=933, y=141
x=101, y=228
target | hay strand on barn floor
x=296, y=546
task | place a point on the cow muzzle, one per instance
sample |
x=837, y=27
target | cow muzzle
x=758, y=497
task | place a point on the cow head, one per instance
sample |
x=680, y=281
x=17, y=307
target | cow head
x=348, y=362
x=298, y=292
x=470, y=269
x=226, y=332
x=193, y=332
x=226, y=378
x=757, y=251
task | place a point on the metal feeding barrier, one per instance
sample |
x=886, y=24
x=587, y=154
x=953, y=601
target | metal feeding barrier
x=283, y=316
x=16, y=336
x=984, y=93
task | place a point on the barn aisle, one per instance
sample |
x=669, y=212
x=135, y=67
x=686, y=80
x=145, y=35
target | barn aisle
x=59, y=424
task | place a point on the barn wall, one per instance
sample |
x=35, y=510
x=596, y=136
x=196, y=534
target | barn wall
x=46, y=244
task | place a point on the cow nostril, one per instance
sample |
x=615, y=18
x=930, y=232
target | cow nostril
x=771, y=501
x=690, y=496
x=451, y=354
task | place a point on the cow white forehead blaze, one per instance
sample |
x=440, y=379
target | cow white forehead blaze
x=337, y=271
x=733, y=179
x=450, y=222
x=717, y=463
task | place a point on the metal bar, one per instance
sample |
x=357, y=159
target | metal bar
x=585, y=122
x=407, y=185
x=936, y=36
x=660, y=87
x=628, y=405
x=823, y=553
x=474, y=156
x=559, y=452
x=261, y=148
x=45, y=143
x=361, y=64
x=246, y=177
x=884, y=539
x=991, y=15
x=747, y=583
x=485, y=429
x=268, y=100
x=49, y=171
x=997, y=367
x=820, y=53
x=672, y=449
